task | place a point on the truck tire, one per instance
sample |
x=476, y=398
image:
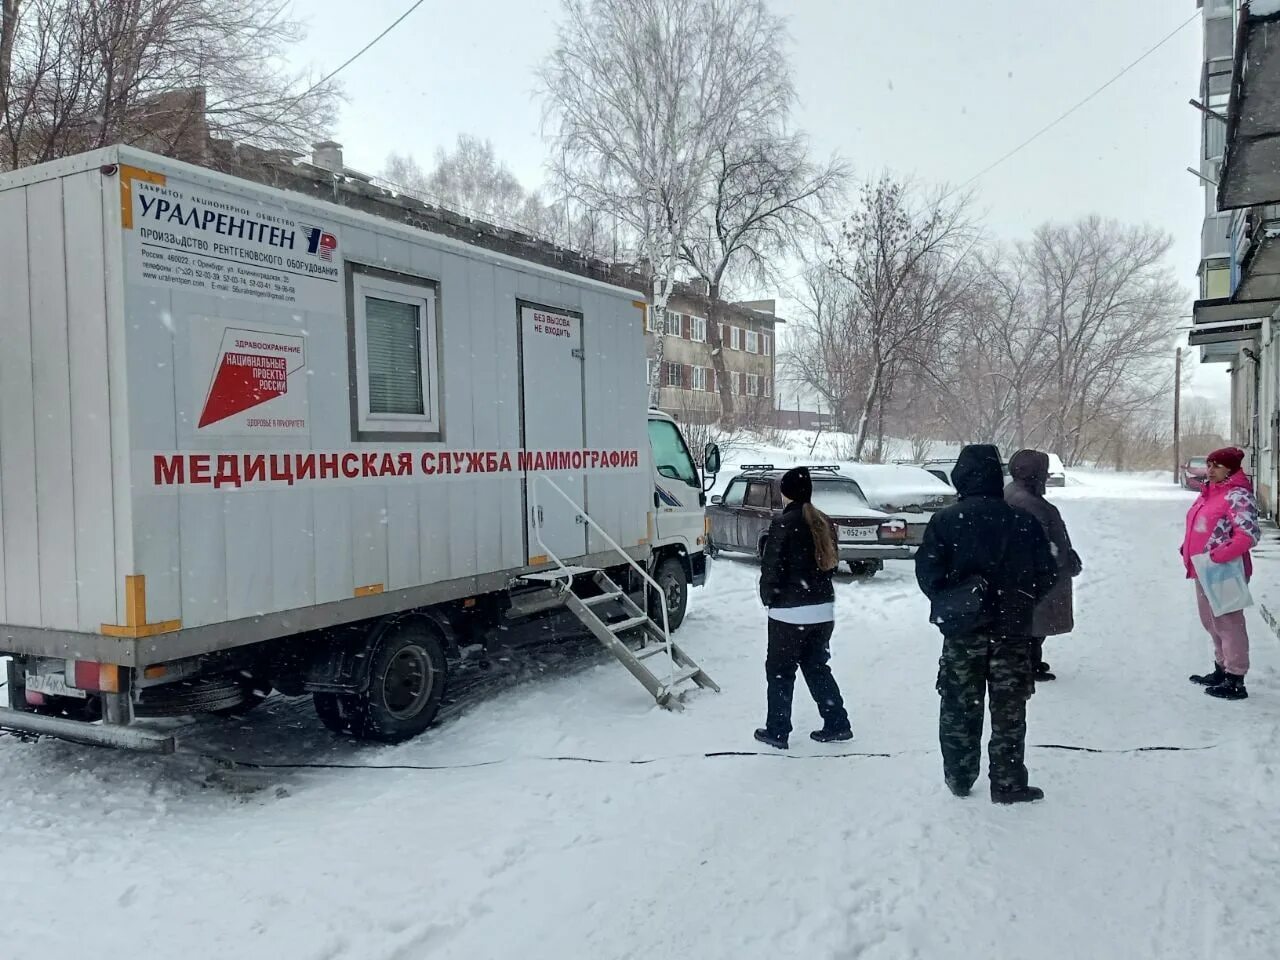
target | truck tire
x=675, y=583
x=407, y=676
x=256, y=691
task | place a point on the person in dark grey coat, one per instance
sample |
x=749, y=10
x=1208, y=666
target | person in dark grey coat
x=1054, y=615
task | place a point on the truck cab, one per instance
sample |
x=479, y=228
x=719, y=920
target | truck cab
x=679, y=534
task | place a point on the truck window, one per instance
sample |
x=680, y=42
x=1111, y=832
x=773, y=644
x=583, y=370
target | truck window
x=670, y=456
x=733, y=496
x=394, y=328
x=758, y=495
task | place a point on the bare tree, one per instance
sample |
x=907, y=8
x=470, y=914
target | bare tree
x=472, y=180
x=903, y=256
x=164, y=74
x=765, y=198
x=640, y=96
x=1109, y=304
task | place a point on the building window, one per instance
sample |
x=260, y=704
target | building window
x=700, y=378
x=765, y=345
x=753, y=342
x=768, y=386
x=699, y=328
x=736, y=338
x=396, y=364
x=737, y=383
x=724, y=335
x=674, y=378
x=753, y=385
x=675, y=324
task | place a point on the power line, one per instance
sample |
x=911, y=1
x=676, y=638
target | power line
x=1061, y=117
x=346, y=63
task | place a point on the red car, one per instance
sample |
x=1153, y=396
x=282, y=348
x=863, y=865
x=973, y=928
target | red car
x=1194, y=474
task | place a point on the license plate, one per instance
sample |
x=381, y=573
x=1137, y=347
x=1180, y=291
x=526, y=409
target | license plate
x=858, y=533
x=53, y=685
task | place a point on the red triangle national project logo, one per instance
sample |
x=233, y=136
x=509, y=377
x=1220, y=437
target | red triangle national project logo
x=251, y=369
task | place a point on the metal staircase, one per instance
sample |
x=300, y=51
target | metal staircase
x=611, y=615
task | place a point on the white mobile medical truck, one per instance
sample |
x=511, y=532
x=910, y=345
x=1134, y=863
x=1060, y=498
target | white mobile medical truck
x=251, y=440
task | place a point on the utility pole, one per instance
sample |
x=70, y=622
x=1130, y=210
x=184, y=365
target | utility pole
x=1177, y=416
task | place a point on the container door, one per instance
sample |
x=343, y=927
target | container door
x=552, y=398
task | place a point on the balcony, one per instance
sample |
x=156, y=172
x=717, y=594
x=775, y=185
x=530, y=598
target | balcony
x=1250, y=172
x=1254, y=242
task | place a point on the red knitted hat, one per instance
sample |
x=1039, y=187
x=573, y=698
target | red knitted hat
x=1229, y=457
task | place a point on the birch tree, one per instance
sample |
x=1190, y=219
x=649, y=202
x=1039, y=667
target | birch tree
x=641, y=94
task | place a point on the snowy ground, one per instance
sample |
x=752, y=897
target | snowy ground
x=658, y=850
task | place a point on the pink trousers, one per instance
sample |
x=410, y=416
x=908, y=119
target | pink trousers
x=1230, y=636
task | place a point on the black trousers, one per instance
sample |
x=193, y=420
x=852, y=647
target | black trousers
x=806, y=647
x=1037, y=652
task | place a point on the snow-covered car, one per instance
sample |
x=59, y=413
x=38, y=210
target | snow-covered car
x=941, y=467
x=865, y=536
x=1057, y=472
x=905, y=490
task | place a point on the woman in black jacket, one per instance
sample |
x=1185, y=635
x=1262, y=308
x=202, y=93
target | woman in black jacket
x=795, y=585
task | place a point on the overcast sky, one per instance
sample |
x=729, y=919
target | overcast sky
x=935, y=88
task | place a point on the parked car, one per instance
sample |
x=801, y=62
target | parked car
x=865, y=536
x=904, y=490
x=1057, y=472
x=941, y=467
x=1195, y=472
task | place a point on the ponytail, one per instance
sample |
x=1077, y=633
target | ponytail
x=824, y=545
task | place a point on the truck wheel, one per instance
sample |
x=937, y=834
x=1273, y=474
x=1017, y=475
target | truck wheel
x=406, y=685
x=671, y=577
x=336, y=710
x=256, y=690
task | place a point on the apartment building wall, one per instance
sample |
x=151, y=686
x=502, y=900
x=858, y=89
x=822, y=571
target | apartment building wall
x=689, y=386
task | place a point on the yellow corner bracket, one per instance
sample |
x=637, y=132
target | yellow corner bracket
x=135, y=614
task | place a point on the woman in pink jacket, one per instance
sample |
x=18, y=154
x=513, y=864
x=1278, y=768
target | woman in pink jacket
x=1223, y=523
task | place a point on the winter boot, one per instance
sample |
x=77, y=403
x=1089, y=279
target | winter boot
x=1016, y=794
x=764, y=736
x=958, y=788
x=827, y=735
x=1231, y=688
x=1042, y=672
x=1209, y=679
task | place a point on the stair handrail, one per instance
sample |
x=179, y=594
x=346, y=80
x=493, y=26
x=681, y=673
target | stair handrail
x=568, y=575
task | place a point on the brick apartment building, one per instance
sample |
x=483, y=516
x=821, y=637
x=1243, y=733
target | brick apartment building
x=689, y=388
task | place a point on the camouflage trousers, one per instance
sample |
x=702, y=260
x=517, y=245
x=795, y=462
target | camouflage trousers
x=968, y=667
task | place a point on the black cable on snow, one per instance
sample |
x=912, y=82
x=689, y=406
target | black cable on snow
x=606, y=761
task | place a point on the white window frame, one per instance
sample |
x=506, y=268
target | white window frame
x=422, y=295
x=753, y=384
x=768, y=386
x=765, y=345
x=678, y=319
x=736, y=338
x=700, y=378
x=753, y=342
x=678, y=371
x=698, y=329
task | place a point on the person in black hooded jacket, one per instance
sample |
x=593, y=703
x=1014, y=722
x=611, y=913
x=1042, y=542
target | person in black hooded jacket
x=795, y=585
x=984, y=566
